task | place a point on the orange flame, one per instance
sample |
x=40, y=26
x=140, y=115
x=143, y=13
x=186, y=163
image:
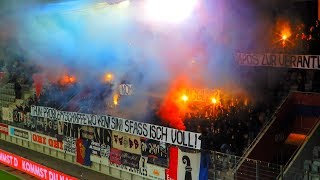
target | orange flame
x=107, y=77
x=115, y=99
x=67, y=80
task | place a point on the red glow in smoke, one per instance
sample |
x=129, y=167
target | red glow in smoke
x=170, y=113
x=173, y=109
x=38, y=83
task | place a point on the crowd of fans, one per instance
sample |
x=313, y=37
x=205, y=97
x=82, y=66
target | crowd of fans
x=227, y=128
x=305, y=39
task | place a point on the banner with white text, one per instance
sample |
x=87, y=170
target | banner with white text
x=32, y=168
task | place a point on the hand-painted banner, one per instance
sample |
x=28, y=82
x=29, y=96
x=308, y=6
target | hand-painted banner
x=115, y=156
x=4, y=128
x=279, y=60
x=32, y=168
x=152, y=148
x=105, y=154
x=19, y=133
x=47, y=141
x=131, y=160
x=142, y=165
x=126, y=142
x=159, y=133
x=7, y=114
x=156, y=152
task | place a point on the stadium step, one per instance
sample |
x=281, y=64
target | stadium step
x=6, y=91
x=7, y=98
x=4, y=103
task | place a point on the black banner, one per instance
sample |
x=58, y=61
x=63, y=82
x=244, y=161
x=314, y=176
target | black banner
x=152, y=148
x=131, y=160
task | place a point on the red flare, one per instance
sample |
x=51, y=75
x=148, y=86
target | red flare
x=38, y=83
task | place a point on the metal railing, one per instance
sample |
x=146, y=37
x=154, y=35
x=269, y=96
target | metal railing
x=263, y=130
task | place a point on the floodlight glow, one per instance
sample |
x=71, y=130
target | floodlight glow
x=170, y=11
x=124, y=4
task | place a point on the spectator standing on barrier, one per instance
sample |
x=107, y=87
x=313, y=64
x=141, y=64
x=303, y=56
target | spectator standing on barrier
x=17, y=89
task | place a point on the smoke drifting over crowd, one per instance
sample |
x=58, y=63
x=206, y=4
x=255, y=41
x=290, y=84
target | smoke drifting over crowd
x=86, y=39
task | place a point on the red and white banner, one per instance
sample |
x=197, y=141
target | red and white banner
x=183, y=165
x=47, y=141
x=32, y=168
x=4, y=128
x=171, y=172
x=188, y=165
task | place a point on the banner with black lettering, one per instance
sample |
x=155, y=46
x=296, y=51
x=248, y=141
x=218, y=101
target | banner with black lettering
x=164, y=134
x=279, y=60
x=71, y=130
x=126, y=142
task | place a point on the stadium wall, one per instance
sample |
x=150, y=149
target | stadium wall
x=110, y=171
x=295, y=169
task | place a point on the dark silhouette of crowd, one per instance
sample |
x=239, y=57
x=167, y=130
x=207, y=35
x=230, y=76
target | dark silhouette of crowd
x=307, y=39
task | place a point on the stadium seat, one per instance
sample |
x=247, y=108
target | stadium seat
x=314, y=176
x=307, y=165
x=9, y=86
x=316, y=152
x=315, y=167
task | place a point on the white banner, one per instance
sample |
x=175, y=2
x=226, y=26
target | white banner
x=7, y=114
x=156, y=172
x=188, y=165
x=19, y=133
x=126, y=89
x=279, y=60
x=159, y=133
x=47, y=141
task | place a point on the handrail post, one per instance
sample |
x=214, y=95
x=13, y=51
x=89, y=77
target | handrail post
x=281, y=172
x=257, y=170
x=214, y=164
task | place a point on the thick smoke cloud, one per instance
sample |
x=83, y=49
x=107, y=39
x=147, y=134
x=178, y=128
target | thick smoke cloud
x=89, y=38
